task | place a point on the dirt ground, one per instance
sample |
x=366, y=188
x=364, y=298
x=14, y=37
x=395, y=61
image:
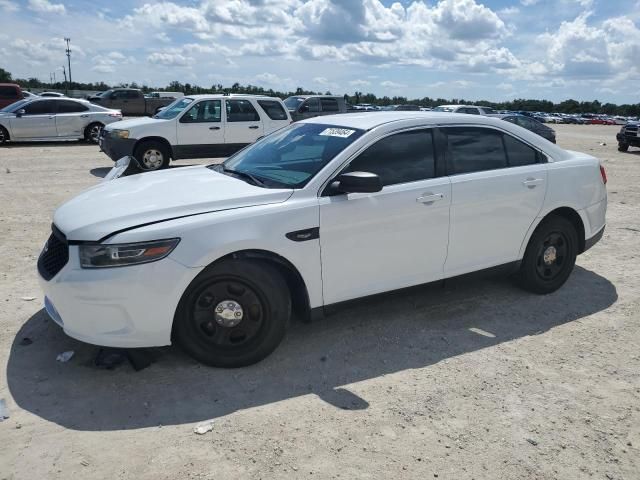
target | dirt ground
x=476, y=380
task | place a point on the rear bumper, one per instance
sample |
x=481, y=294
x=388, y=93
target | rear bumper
x=116, y=148
x=590, y=242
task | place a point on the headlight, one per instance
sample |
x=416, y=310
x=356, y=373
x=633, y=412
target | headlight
x=123, y=254
x=120, y=133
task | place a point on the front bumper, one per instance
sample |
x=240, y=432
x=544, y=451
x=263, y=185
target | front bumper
x=634, y=141
x=123, y=307
x=116, y=147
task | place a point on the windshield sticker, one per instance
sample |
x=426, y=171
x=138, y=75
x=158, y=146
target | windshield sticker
x=337, y=132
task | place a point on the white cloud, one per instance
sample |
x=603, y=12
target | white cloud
x=390, y=84
x=170, y=59
x=360, y=83
x=45, y=6
x=8, y=6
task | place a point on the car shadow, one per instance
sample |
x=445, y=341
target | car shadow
x=61, y=143
x=385, y=334
x=102, y=172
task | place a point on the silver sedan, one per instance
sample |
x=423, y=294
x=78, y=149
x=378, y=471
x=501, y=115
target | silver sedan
x=51, y=119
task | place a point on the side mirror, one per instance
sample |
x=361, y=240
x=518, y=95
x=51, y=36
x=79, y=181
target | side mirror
x=357, y=182
x=20, y=112
x=304, y=108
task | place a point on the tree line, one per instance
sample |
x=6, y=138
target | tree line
x=566, y=106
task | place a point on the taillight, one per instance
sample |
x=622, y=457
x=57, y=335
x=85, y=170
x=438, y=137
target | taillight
x=603, y=174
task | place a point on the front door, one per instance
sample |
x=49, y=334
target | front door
x=200, y=131
x=38, y=121
x=498, y=185
x=391, y=239
x=243, y=124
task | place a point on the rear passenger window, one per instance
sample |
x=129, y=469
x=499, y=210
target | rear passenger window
x=69, y=106
x=518, y=153
x=400, y=158
x=329, y=105
x=241, y=111
x=8, y=92
x=273, y=109
x=473, y=149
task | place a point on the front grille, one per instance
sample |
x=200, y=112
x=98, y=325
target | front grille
x=54, y=256
x=631, y=130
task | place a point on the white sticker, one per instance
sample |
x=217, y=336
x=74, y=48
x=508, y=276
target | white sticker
x=337, y=132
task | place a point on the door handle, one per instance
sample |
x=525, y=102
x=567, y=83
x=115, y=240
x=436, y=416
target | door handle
x=532, y=182
x=430, y=198
x=214, y=128
x=253, y=127
x=84, y=116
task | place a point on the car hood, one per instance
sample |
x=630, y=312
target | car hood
x=134, y=122
x=153, y=197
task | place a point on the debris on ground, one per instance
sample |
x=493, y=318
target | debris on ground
x=4, y=411
x=65, y=356
x=28, y=299
x=532, y=441
x=203, y=427
x=602, y=144
x=26, y=341
x=110, y=358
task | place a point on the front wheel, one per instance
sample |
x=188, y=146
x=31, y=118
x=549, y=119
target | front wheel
x=92, y=132
x=152, y=155
x=623, y=147
x=4, y=136
x=550, y=256
x=233, y=314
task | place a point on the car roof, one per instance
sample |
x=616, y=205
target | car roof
x=232, y=95
x=371, y=120
x=309, y=96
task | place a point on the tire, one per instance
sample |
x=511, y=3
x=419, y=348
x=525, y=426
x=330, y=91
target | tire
x=623, y=147
x=92, y=132
x=550, y=256
x=152, y=155
x=4, y=136
x=264, y=314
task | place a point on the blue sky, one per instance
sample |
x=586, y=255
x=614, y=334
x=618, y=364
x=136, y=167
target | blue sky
x=494, y=50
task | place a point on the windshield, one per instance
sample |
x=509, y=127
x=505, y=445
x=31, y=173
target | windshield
x=173, y=109
x=15, y=105
x=290, y=157
x=443, y=109
x=292, y=103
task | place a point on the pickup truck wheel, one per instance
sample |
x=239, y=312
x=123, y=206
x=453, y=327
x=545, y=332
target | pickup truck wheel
x=152, y=155
x=4, y=135
x=550, y=256
x=623, y=147
x=233, y=314
x=92, y=132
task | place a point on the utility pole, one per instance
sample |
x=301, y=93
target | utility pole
x=68, y=58
x=64, y=72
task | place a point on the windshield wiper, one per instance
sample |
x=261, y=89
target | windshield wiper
x=253, y=179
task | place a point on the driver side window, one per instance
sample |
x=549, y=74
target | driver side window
x=313, y=105
x=203, y=112
x=400, y=158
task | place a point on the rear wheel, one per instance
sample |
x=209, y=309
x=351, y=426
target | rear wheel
x=92, y=132
x=550, y=256
x=152, y=155
x=4, y=135
x=623, y=147
x=233, y=314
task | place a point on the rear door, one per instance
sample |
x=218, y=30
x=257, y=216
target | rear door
x=200, y=131
x=274, y=115
x=38, y=121
x=71, y=118
x=243, y=124
x=498, y=185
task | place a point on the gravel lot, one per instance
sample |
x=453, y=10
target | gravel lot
x=475, y=380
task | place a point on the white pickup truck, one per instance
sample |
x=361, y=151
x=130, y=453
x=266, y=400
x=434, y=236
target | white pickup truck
x=197, y=126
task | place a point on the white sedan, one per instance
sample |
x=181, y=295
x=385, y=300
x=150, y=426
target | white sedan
x=53, y=119
x=325, y=210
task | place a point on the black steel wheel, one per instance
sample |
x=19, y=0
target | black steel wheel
x=623, y=147
x=550, y=256
x=233, y=314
